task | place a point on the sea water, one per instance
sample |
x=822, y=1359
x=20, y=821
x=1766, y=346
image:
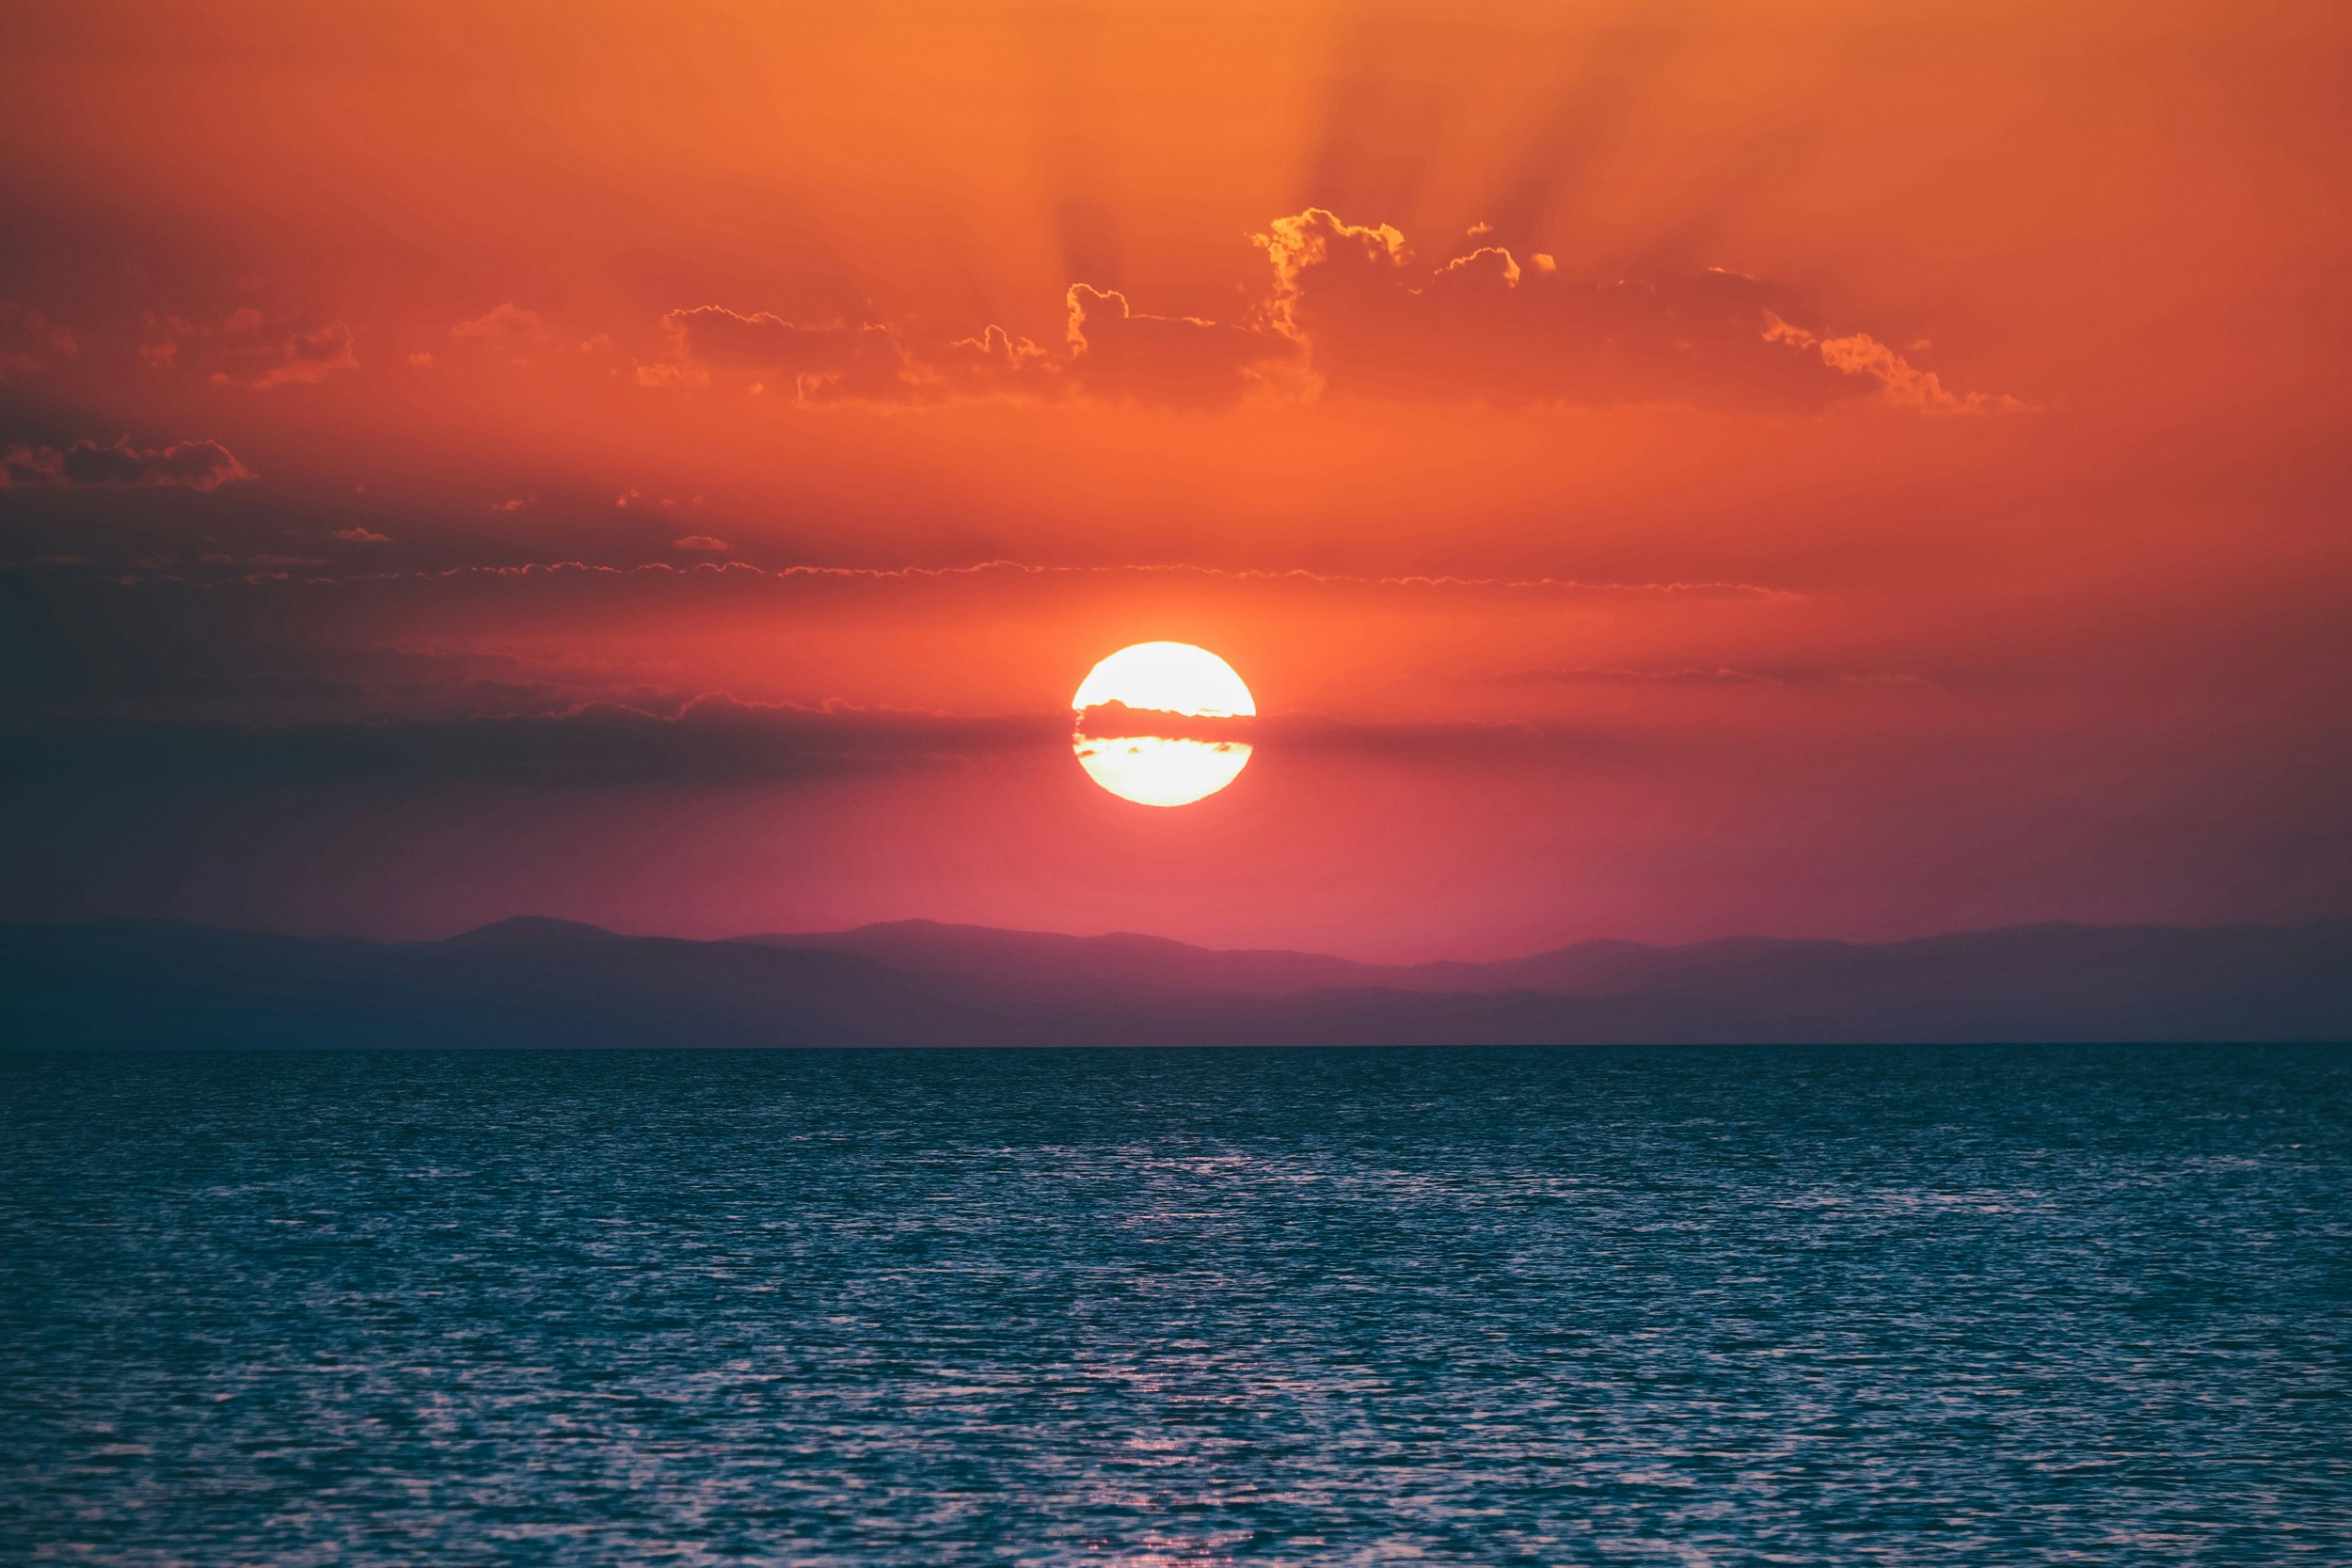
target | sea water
x=1660, y=1306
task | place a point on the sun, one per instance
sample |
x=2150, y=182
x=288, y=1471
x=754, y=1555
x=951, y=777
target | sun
x=1128, y=700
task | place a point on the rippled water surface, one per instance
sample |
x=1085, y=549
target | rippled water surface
x=1919, y=1307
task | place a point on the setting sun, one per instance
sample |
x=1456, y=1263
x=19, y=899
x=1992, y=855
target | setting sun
x=1134, y=693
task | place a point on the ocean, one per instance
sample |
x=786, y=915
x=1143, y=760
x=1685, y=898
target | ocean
x=1702, y=1306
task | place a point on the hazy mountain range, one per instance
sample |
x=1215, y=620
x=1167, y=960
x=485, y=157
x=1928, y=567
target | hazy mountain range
x=547, y=982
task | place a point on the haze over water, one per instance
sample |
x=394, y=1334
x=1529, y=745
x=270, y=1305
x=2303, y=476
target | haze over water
x=1672, y=1306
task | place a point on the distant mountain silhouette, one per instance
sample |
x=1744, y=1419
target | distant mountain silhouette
x=534, y=981
x=1049, y=963
x=523, y=931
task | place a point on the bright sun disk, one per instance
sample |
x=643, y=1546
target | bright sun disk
x=1169, y=678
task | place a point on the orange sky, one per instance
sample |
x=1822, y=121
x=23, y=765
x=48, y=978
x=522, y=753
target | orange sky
x=1665, y=469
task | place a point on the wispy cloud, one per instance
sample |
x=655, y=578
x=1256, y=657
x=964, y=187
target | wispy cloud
x=1410, y=582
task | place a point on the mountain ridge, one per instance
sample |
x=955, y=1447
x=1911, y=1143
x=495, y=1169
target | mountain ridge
x=538, y=981
x=1574, y=969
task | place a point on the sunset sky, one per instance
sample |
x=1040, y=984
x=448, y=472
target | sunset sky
x=1664, y=470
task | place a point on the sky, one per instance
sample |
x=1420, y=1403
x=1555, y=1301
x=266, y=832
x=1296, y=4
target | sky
x=1664, y=470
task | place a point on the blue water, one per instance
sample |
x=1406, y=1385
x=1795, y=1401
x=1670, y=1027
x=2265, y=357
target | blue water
x=1683, y=1307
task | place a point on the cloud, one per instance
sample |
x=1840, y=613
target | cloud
x=669, y=373
x=31, y=340
x=1121, y=353
x=710, y=740
x=507, y=325
x=1317, y=241
x=1433, y=740
x=1802, y=677
x=242, y=350
x=85, y=465
x=739, y=575
x=1109, y=350
x=255, y=698
x=1610, y=675
x=70, y=635
x=358, y=535
x=1377, y=321
x=1899, y=381
x=304, y=357
x=701, y=542
x=1305, y=731
x=1117, y=720
x=827, y=362
x=199, y=649
x=998, y=363
x=1349, y=309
